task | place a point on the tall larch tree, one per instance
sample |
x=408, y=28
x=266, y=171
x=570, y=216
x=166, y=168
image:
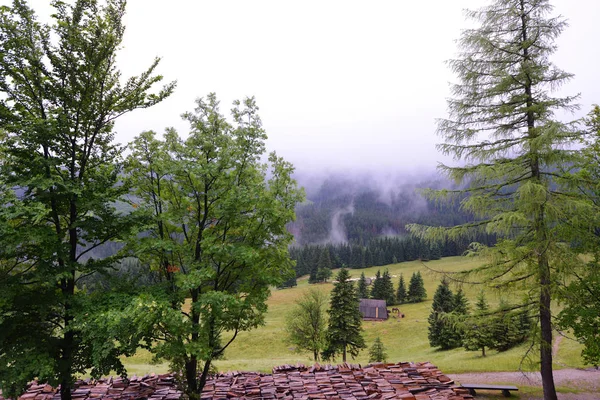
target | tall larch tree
x=60, y=95
x=501, y=125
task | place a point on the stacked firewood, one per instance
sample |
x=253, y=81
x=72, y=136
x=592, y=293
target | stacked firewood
x=414, y=381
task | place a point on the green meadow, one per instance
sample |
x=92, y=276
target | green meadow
x=405, y=339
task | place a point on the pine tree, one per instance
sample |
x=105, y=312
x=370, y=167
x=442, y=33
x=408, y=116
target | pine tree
x=387, y=288
x=478, y=327
x=377, y=352
x=501, y=124
x=401, y=294
x=363, y=288
x=506, y=328
x=416, y=288
x=377, y=289
x=344, y=332
x=461, y=303
x=442, y=333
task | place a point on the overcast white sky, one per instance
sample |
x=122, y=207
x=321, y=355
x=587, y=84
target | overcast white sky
x=340, y=84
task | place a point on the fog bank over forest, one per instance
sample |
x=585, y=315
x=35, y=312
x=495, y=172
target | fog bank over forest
x=358, y=206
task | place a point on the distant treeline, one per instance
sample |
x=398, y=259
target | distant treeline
x=379, y=251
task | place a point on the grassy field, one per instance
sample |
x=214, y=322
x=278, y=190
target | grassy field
x=405, y=339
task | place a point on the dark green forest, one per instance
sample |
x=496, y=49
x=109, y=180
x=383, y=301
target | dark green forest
x=361, y=225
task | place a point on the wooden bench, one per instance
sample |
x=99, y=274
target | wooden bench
x=505, y=389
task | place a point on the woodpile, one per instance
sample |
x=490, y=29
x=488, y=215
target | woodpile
x=409, y=381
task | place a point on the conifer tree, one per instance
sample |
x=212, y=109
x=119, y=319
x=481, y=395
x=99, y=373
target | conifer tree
x=461, y=303
x=344, y=332
x=363, y=288
x=377, y=289
x=442, y=333
x=377, y=351
x=416, y=288
x=401, y=294
x=501, y=123
x=387, y=288
x=478, y=327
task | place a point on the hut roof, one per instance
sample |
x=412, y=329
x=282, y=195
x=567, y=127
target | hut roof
x=373, y=309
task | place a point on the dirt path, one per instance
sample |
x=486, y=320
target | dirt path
x=586, y=380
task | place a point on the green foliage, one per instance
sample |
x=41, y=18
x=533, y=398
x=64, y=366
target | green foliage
x=580, y=297
x=60, y=94
x=215, y=228
x=383, y=288
x=514, y=153
x=443, y=333
x=478, y=328
x=461, y=303
x=508, y=328
x=363, y=288
x=582, y=312
x=377, y=352
x=344, y=332
x=416, y=288
x=401, y=294
x=306, y=324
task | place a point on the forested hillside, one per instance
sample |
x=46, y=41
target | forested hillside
x=359, y=223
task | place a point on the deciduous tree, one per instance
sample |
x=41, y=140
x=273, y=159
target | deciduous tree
x=306, y=324
x=219, y=226
x=60, y=95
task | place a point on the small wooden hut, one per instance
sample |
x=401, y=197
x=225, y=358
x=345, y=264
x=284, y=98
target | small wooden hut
x=373, y=310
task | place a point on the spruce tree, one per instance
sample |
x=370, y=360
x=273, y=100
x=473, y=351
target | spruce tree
x=442, y=333
x=387, y=288
x=377, y=289
x=363, y=288
x=416, y=288
x=461, y=303
x=401, y=294
x=377, y=352
x=344, y=332
x=478, y=327
x=501, y=124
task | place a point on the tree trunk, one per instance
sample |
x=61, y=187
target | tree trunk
x=344, y=354
x=191, y=366
x=546, y=332
x=68, y=342
x=483, y=351
x=191, y=377
x=66, y=362
x=204, y=376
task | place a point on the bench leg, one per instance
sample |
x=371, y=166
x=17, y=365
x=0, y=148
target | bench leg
x=506, y=393
x=472, y=392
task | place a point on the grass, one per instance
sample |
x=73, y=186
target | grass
x=405, y=339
